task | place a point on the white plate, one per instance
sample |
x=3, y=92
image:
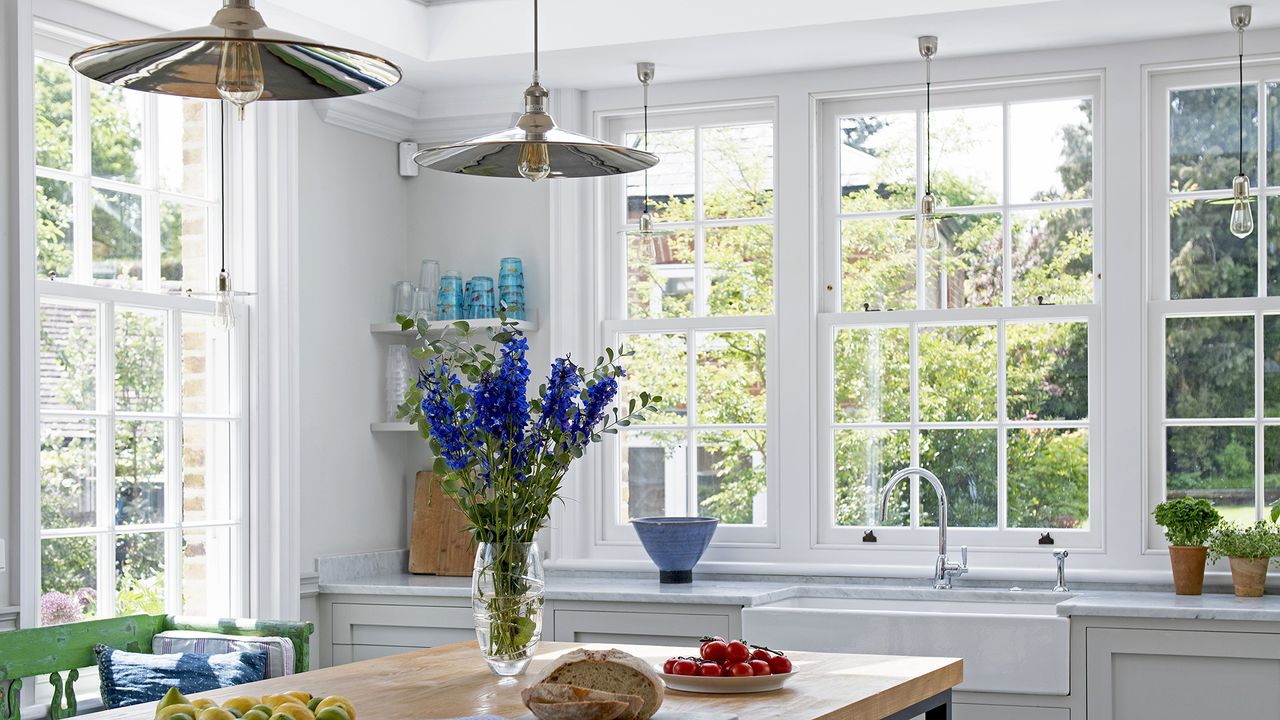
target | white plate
x=724, y=685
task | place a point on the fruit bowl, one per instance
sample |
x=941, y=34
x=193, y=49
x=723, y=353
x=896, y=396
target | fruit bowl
x=724, y=685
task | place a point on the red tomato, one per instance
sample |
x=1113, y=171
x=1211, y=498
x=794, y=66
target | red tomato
x=760, y=667
x=714, y=650
x=737, y=652
x=780, y=664
x=669, y=666
x=685, y=666
x=759, y=653
x=740, y=669
x=710, y=669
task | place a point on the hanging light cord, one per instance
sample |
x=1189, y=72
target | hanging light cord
x=928, y=125
x=535, y=41
x=1240, y=97
x=222, y=178
x=645, y=209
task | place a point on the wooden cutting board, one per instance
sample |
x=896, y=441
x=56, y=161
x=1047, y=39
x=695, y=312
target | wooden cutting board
x=439, y=542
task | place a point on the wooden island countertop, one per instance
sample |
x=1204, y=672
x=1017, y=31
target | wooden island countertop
x=453, y=681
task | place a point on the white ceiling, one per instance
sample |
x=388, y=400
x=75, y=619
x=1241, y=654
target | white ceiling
x=449, y=44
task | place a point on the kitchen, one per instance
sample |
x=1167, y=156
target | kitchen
x=988, y=240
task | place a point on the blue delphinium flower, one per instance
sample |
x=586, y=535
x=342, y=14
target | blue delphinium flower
x=593, y=407
x=562, y=389
x=502, y=410
x=438, y=386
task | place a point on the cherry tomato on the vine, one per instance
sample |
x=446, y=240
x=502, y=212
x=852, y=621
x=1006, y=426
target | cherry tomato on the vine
x=710, y=669
x=714, y=650
x=669, y=667
x=685, y=666
x=737, y=652
x=760, y=667
x=759, y=653
x=740, y=669
x=780, y=664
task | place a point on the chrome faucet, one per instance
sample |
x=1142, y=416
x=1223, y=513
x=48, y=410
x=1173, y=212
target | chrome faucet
x=1061, y=557
x=943, y=569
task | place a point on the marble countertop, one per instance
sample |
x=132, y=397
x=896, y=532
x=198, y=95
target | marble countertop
x=382, y=574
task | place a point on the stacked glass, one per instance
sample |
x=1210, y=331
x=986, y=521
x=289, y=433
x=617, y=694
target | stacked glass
x=451, y=302
x=398, y=379
x=481, y=304
x=511, y=287
x=428, y=295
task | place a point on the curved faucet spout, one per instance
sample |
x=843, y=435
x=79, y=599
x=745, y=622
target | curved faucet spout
x=944, y=570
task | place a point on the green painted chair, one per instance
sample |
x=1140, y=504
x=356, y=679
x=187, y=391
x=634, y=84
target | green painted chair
x=66, y=648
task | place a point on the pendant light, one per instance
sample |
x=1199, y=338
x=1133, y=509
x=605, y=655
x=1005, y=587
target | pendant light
x=535, y=148
x=927, y=234
x=239, y=59
x=645, y=72
x=1241, y=223
x=224, y=296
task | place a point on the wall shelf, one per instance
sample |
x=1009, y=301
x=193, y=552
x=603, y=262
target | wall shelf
x=399, y=427
x=445, y=327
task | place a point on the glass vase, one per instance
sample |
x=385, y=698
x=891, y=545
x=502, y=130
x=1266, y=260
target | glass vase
x=507, y=587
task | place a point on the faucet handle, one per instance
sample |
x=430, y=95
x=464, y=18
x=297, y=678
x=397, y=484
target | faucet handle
x=1060, y=554
x=964, y=556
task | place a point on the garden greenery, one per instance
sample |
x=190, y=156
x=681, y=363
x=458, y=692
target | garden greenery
x=1187, y=522
x=1259, y=540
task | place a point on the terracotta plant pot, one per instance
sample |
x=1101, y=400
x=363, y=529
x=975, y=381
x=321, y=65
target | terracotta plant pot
x=1249, y=576
x=1188, y=568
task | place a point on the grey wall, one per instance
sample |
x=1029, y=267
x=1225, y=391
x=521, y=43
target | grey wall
x=353, y=208
x=8, y=299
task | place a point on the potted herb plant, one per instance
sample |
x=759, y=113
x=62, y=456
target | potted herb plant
x=1188, y=523
x=1250, y=549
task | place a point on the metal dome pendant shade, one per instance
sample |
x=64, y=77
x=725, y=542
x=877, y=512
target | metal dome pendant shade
x=535, y=148
x=239, y=59
x=1241, y=222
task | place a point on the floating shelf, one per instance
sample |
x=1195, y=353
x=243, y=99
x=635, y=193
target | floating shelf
x=445, y=327
x=392, y=427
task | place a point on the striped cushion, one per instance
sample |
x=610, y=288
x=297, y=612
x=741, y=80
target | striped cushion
x=279, y=650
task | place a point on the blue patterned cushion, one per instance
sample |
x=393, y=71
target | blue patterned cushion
x=132, y=678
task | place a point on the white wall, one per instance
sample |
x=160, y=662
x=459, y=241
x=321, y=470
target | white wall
x=8, y=299
x=353, y=207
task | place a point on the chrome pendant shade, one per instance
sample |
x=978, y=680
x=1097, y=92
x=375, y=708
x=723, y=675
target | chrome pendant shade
x=535, y=148
x=238, y=58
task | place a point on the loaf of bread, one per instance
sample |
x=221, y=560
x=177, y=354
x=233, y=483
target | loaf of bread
x=578, y=710
x=610, y=671
x=552, y=693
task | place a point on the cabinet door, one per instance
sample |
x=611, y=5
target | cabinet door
x=1181, y=675
x=642, y=628
x=402, y=626
x=968, y=711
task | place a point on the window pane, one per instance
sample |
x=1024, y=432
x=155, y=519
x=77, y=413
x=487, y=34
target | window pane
x=55, y=224
x=965, y=461
x=737, y=167
x=141, y=354
x=1273, y=243
x=878, y=265
x=116, y=132
x=1204, y=126
x=671, y=181
x=872, y=375
x=1052, y=144
x=206, y=366
x=1209, y=367
x=182, y=130
x=68, y=473
x=731, y=377
x=1271, y=465
x=660, y=275
x=1271, y=365
x=732, y=476
x=206, y=568
x=968, y=156
x=650, y=463
x=117, y=238
x=957, y=373
x=186, y=260
x=1048, y=478
x=68, y=355
x=68, y=579
x=1053, y=256
x=140, y=573
x=865, y=460
x=1214, y=463
x=53, y=89
x=1047, y=370
x=206, y=471
x=1273, y=133
x=1205, y=259
x=968, y=269
x=738, y=262
x=140, y=472
x=878, y=162
x=660, y=366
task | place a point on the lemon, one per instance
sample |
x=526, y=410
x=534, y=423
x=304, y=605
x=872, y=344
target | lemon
x=215, y=713
x=302, y=695
x=275, y=701
x=295, y=710
x=333, y=712
x=204, y=703
x=241, y=704
x=341, y=702
x=167, y=712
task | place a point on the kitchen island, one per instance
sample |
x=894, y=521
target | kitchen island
x=453, y=681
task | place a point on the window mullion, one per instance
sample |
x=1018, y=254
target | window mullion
x=1259, y=435
x=1006, y=223
x=107, y=467
x=150, y=201
x=690, y=488
x=914, y=385
x=174, y=476
x=1002, y=420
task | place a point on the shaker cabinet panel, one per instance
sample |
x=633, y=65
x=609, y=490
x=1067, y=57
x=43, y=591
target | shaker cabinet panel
x=403, y=626
x=1144, y=673
x=637, y=628
x=966, y=711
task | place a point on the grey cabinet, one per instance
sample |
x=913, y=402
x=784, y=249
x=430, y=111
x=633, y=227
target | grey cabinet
x=642, y=623
x=362, y=630
x=1181, y=674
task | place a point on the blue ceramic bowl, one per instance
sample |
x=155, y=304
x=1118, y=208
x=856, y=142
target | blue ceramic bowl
x=675, y=544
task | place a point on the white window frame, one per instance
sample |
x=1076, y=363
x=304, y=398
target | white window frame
x=1160, y=307
x=612, y=202
x=56, y=42
x=830, y=317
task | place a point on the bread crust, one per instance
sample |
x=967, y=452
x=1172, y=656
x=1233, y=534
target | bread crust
x=578, y=710
x=652, y=687
x=558, y=693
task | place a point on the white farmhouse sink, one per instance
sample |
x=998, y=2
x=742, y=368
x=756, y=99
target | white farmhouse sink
x=1011, y=642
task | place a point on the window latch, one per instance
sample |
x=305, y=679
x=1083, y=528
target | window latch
x=870, y=536
x=1040, y=300
x=866, y=307
x=1045, y=539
